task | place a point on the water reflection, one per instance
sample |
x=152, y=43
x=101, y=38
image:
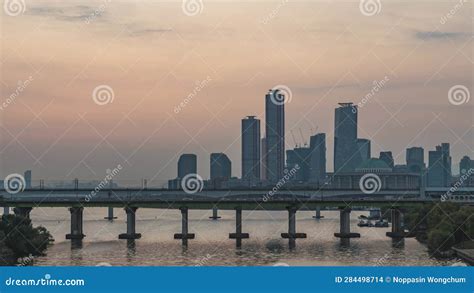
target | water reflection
x=212, y=246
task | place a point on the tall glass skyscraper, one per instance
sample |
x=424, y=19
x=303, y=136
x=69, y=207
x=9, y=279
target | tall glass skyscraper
x=187, y=164
x=275, y=135
x=439, y=168
x=221, y=167
x=318, y=158
x=415, y=158
x=251, y=149
x=346, y=152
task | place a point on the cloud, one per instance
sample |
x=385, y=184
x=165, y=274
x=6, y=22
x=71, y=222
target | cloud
x=71, y=13
x=427, y=35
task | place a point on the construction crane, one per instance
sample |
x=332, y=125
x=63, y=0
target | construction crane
x=294, y=140
x=302, y=139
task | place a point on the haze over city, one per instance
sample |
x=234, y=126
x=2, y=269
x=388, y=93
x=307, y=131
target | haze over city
x=154, y=58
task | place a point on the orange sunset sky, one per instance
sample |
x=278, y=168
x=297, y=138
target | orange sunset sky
x=153, y=55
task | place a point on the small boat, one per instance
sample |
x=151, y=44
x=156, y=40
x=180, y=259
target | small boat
x=364, y=223
x=381, y=224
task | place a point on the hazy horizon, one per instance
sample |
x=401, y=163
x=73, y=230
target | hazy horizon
x=153, y=56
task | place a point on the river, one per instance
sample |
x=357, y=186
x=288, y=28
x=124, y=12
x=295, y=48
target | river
x=212, y=246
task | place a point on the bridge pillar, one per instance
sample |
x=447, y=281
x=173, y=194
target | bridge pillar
x=214, y=214
x=184, y=235
x=23, y=212
x=110, y=214
x=76, y=223
x=345, y=224
x=238, y=235
x=397, y=230
x=131, y=232
x=6, y=211
x=292, y=235
x=318, y=213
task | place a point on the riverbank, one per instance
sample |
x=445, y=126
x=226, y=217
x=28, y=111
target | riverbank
x=20, y=242
x=465, y=251
x=442, y=227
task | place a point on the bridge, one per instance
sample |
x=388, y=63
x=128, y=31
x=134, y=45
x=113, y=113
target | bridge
x=291, y=200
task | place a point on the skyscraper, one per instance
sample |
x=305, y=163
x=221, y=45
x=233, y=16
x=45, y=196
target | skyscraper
x=187, y=164
x=318, y=158
x=346, y=152
x=263, y=169
x=251, y=149
x=387, y=157
x=221, y=167
x=27, y=177
x=275, y=135
x=364, y=149
x=415, y=157
x=465, y=164
x=439, y=169
x=301, y=157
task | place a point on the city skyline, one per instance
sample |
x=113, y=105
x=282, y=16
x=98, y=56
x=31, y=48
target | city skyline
x=191, y=96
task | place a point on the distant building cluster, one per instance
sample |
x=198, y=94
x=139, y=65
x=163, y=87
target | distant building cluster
x=265, y=161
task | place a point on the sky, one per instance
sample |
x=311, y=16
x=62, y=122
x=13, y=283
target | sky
x=173, y=77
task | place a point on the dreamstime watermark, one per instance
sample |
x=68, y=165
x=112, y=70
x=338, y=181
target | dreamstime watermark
x=281, y=94
x=192, y=7
x=105, y=182
x=444, y=19
x=377, y=86
x=192, y=183
x=14, y=7
x=25, y=261
x=370, y=183
x=462, y=178
x=289, y=174
x=274, y=12
x=459, y=95
x=382, y=261
x=14, y=183
x=370, y=7
x=47, y=280
x=204, y=260
x=200, y=85
x=103, y=95
x=97, y=12
x=22, y=85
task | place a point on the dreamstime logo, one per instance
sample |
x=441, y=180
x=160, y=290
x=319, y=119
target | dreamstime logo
x=22, y=85
x=370, y=183
x=97, y=12
x=288, y=175
x=103, y=95
x=192, y=183
x=273, y=13
x=377, y=86
x=466, y=174
x=14, y=183
x=204, y=260
x=281, y=94
x=370, y=7
x=459, y=95
x=111, y=173
x=25, y=261
x=200, y=85
x=192, y=7
x=382, y=261
x=444, y=19
x=14, y=7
